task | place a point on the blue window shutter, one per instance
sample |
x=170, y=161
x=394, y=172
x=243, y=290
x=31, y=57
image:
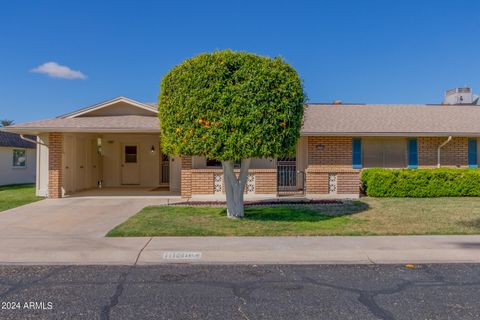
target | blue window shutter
x=412, y=153
x=472, y=153
x=356, y=153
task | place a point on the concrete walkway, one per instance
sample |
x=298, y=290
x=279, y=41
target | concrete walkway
x=71, y=231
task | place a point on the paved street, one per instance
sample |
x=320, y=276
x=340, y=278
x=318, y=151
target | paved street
x=437, y=291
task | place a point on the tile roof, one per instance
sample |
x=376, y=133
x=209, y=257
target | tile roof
x=8, y=139
x=396, y=119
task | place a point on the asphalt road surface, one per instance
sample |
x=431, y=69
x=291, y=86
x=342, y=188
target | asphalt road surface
x=241, y=292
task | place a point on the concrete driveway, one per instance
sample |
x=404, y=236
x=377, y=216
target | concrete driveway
x=70, y=230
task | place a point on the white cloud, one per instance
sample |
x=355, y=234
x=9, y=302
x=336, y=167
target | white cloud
x=55, y=70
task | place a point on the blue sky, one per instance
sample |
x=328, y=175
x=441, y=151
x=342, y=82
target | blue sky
x=356, y=51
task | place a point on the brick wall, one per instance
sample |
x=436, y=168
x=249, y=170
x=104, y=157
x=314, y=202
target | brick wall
x=201, y=181
x=348, y=180
x=454, y=154
x=55, y=150
x=337, y=151
x=330, y=151
x=265, y=181
x=316, y=182
x=186, y=177
x=327, y=155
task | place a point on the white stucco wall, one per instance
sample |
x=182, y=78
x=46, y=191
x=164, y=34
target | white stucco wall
x=42, y=166
x=12, y=175
x=302, y=154
x=80, y=162
x=175, y=173
x=118, y=109
x=112, y=145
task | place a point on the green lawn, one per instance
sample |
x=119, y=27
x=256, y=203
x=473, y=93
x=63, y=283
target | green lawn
x=368, y=216
x=16, y=195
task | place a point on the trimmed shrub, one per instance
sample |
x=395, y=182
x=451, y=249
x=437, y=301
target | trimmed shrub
x=421, y=183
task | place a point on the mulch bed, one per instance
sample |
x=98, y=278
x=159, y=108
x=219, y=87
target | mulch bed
x=258, y=203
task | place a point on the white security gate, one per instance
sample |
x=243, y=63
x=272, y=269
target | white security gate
x=290, y=181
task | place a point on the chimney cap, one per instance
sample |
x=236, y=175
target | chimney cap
x=337, y=101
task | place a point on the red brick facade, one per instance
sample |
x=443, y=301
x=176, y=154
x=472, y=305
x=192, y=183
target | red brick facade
x=330, y=151
x=333, y=155
x=186, y=177
x=347, y=181
x=265, y=181
x=454, y=154
x=202, y=181
x=55, y=151
x=328, y=167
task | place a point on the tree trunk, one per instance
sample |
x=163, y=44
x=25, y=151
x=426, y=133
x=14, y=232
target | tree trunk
x=234, y=187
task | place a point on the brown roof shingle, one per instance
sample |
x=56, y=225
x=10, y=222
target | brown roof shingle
x=127, y=123
x=319, y=119
x=395, y=119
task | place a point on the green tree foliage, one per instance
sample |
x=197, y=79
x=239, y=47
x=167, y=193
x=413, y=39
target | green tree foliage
x=421, y=183
x=230, y=106
x=5, y=123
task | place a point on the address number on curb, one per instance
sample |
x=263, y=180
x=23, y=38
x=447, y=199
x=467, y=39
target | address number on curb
x=182, y=255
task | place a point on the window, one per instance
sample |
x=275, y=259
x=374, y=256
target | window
x=357, y=153
x=216, y=163
x=130, y=154
x=213, y=163
x=19, y=158
x=384, y=152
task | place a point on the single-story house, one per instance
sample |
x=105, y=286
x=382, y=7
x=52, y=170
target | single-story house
x=17, y=159
x=116, y=144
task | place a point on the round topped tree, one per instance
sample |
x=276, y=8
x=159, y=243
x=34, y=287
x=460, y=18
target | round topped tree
x=231, y=107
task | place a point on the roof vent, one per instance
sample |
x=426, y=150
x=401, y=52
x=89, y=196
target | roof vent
x=337, y=101
x=458, y=96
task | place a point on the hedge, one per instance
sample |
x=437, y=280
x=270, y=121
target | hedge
x=421, y=183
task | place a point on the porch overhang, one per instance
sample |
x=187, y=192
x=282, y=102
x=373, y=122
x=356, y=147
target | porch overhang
x=37, y=131
x=103, y=124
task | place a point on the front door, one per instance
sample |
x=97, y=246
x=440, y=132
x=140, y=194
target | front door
x=130, y=164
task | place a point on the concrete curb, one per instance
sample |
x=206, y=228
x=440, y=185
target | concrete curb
x=242, y=250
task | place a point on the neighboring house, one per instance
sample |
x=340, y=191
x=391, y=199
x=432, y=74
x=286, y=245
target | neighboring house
x=17, y=159
x=116, y=144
